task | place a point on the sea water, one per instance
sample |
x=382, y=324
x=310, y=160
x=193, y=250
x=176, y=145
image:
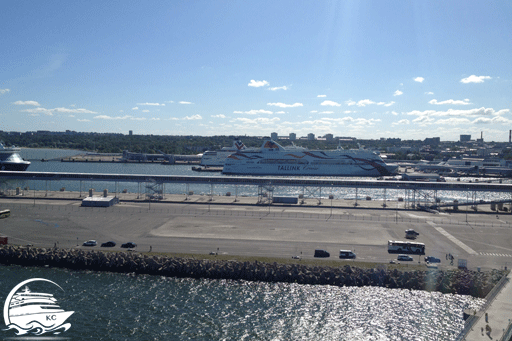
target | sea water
x=114, y=306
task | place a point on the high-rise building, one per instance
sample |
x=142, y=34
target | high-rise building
x=465, y=138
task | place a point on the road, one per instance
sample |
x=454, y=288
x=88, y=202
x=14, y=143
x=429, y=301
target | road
x=483, y=239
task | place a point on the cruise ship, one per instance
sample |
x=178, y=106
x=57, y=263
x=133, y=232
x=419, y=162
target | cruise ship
x=11, y=160
x=274, y=159
x=28, y=307
x=216, y=158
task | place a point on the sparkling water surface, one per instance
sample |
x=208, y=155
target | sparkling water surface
x=113, y=306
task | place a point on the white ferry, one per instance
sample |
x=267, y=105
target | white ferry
x=10, y=159
x=469, y=165
x=26, y=307
x=273, y=159
x=216, y=158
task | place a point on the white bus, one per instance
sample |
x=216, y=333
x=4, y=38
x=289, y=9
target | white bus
x=395, y=246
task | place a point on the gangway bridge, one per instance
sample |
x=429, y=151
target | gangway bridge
x=416, y=191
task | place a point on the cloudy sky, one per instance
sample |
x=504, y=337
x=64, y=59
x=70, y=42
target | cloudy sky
x=367, y=69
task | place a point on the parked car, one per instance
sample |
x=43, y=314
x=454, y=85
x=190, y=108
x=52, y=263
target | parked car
x=108, y=244
x=90, y=243
x=129, y=245
x=347, y=254
x=431, y=259
x=405, y=258
x=322, y=253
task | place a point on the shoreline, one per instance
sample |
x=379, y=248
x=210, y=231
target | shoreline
x=453, y=281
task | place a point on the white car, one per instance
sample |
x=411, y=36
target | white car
x=90, y=243
x=404, y=258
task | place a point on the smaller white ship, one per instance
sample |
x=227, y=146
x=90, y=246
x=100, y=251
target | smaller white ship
x=32, y=310
x=216, y=158
x=10, y=159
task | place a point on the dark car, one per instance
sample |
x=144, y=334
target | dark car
x=430, y=259
x=90, y=243
x=129, y=245
x=322, y=253
x=411, y=234
x=108, y=244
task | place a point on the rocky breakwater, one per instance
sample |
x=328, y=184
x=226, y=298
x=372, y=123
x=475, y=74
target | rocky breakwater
x=477, y=284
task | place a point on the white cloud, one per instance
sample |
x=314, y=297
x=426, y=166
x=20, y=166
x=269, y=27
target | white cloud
x=398, y=93
x=330, y=103
x=401, y=122
x=75, y=111
x=4, y=91
x=450, y=101
x=135, y=108
x=183, y=102
x=365, y=102
x=280, y=112
x=279, y=88
x=313, y=111
x=254, y=112
x=327, y=112
x=152, y=104
x=258, y=120
x=474, y=79
x=394, y=113
x=321, y=96
x=257, y=84
x=193, y=117
x=419, y=79
x=145, y=110
x=34, y=103
x=106, y=117
x=83, y=120
x=71, y=116
x=453, y=121
x=424, y=120
x=219, y=116
x=47, y=112
x=458, y=112
x=429, y=93
x=283, y=105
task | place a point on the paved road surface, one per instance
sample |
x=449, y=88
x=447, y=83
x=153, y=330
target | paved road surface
x=485, y=240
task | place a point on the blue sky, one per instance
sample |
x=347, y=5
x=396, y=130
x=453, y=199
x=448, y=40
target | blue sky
x=367, y=69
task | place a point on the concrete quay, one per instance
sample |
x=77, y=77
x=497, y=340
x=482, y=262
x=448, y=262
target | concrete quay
x=494, y=322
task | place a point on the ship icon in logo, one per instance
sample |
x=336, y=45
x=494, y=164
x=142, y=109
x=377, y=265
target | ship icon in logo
x=35, y=313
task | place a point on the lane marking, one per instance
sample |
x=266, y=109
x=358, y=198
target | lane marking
x=453, y=239
x=495, y=254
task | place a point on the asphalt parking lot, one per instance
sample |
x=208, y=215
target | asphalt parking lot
x=484, y=240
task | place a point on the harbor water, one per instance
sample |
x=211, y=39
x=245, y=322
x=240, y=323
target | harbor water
x=113, y=306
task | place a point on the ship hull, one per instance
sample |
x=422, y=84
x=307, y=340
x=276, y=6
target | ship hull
x=8, y=166
x=305, y=170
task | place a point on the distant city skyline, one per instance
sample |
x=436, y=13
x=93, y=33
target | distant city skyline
x=374, y=69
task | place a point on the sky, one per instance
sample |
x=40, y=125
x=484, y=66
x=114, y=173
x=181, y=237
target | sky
x=364, y=69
